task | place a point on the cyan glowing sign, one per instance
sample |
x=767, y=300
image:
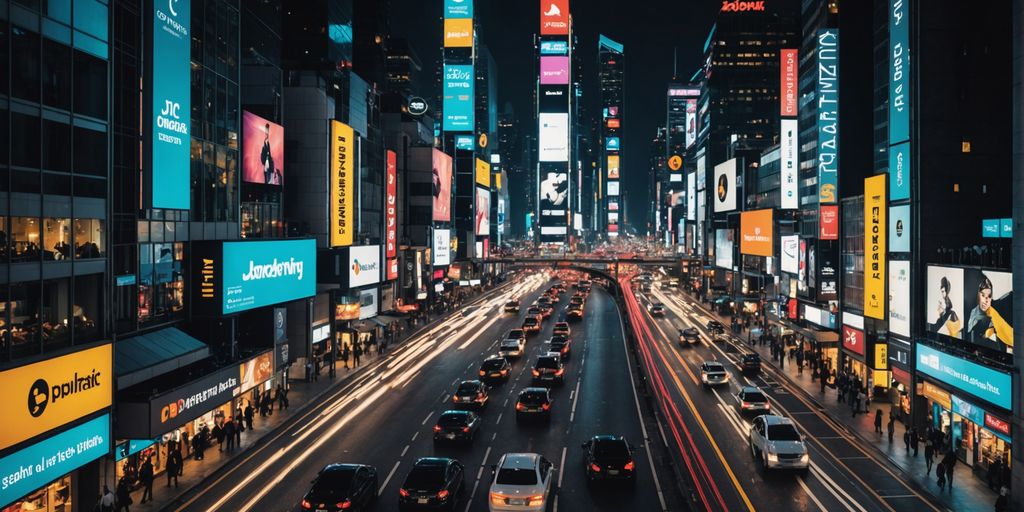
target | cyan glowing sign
x=458, y=98
x=554, y=47
x=464, y=142
x=35, y=466
x=899, y=71
x=612, y=144
x=899, y=171
x=269, y=272
x=171, y=104
x=458, y=9
x=981, y=381
x=828, y=115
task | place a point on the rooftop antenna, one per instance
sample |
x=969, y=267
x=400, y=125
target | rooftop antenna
x=675, y=62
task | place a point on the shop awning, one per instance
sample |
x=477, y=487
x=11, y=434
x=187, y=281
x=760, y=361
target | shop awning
x=364, y=325
x=140, y=358
x=385, y=320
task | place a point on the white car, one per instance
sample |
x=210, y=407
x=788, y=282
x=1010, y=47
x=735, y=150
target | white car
x=522, y=482
x=713, y=373
x=775, y=442
x=511, y=348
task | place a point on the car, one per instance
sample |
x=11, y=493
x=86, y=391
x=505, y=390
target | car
x=534, y=311
x=577, y=300
x=561, y=328
x=751, y=363
x=657, y=309
x=549, y=368
x=511, y=348
x=342, y=487
x=574, y=313
x=533, y=402
x=433, y=483
x=495, y=369
x=522, y=482
x=532, y=323
x=713, y=373
x=457, y=425
x=545, y=309
x=752, y=399
x=689, y=336
x=715, y=327
x=608, y=457
x=512, y=306
x=775, y=442
x=471, y=393
x=560, y=344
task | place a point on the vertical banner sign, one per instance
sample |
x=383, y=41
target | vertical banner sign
x=457, y=102
x=899, y=171
x=828, y=115
x=554, y=17
x=899, y=71
x=875, y=275
x=172, y=106
x=788, y=83
x=343, y=222
x=391, y=208
x=788, y=161
x=828, y=222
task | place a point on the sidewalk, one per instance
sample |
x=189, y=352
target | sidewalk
x=970, y=492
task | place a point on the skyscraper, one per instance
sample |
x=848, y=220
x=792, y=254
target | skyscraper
x=611, y=69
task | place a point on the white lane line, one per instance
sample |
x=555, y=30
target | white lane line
x=834, y=489
x=404, y=451
x=414, y=436
x=388, y=479
x=429, y=414
x=561, y=468
x=499, y=419
x=445, y=398
x=810, y=494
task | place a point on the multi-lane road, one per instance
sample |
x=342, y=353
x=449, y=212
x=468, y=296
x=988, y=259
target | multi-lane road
x=385, y=415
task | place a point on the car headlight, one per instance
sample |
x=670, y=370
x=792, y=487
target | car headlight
x=805, y=458
x=772, y=457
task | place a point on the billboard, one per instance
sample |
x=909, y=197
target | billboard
x=827, y=94
x=343, y=185
x=789, y=155
x=391, y=206
x=613, y=188
x=612, y=144
x=483, y=211
x=262, y=150
x=554, y=47
x=899, y=298
x=457, y=102
x=875, y=275
x=981, y=381
x=458, y=9
x=442, y=186
x=944, y=308
x=899, y=228
x=171, y=72
x=441, y=250
x=757, y=232
x=554, y=17
x=483, y=173
x=691, y=122
x=260, y=273
x=691, y=197
x=363, y=265
x=554, y=194
x=725, y=186
x=853, y=340
x=554, y=70
x=788, y=87
x=899, y=71
x=464, y=142
x=971, y=304
x=789, y=249
x=553, y=137
x=899, y=171
x=723, y=248
x=553, y=98
x=458, y=33
x=828, y=222
x=613, y=167
x=990, y=228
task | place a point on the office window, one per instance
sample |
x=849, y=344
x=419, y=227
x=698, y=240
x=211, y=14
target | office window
x=56, y=75
x=24, y=317
x=89, y=237
x=56, y=184
x=24, y=139
x=87, y=308
x=24, y=239
x=55, y=328
x=90, y=85
x=56, y=150
x=56, y=238
x=91, y=18
x=90, y=152
x=90, y=187
x=161, y=282
x=59, y=10
x=4, y=64
x=25, y=59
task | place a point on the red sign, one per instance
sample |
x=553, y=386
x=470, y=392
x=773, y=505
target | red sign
x=614, y=123
x=828, y=222
x=392, y=269
x=853, y=340
x=741, y=6
x=487, y=248
x=792, y=309
x=788, y=82
x=901, y=376
x=439, y=273
x=554, y=17
x=391, y=208
x=997, y=424
x=613, y=228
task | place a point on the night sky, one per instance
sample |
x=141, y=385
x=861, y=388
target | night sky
x=648, y=29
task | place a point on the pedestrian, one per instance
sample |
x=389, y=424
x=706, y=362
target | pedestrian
x=892, y=425
x=218, y=434
x=906, y=440
x=914, y=440
x=229, y=432
x=239, y=428
x=199, y=444
x=940, y=475
x=824, y=382
x=800, y=361
x=173, y=465
x=929, y=455
x=1003, y=501
x=344, y=355
x=855, y=405
x=146, y=477
x=124, y=496
x=878, y=421
x=950, y=463
x=249, y=414
x=995, y=473
x=283, y=396
x=356, y=352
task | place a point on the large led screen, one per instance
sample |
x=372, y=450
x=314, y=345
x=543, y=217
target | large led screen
x=554, y=70
x=788, y=162
x=554, y=137
x=170, y=140
x=261, y=273
x=757, y=236
x=971, y=304
x=458, y=98
x=442, y=186
x=483, y=211
x=262, y=150
x=441, y=250
x=554, y=17
x=789, y=251
x=554, y=194
x=827, y=92
x=899, y=297
x=723, y=248
x=725, y=186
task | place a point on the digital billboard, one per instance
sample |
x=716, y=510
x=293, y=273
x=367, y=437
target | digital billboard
x=265, y=272
x=899, y=228
x=262, y=150
x=789, y=249
x=613, y=167
x=612, y=144
x=483, y=173
x=853, y=340
x=483, y=211
x=363, y=265
x=171, y=72
x=691, y=122
x=441, y=251
x=789, y=164
x=343, y=185
x=457, y=102
x=554, y=70
x=391, y=206
x=554, y=194
x=899, y=298
x=828, y=222
x=553, y=98
x=899, y=171
x=875, y=225
x=723, y=248
x=757, y=232
x=458, y=9
x=982, y=381
x=725, y=186
x=553, y=137
x=788, y=76
x=613, y=188
x=442, y=186
x=458, y=33
x=554, y=17
x=899, y=71
x=827, y=94
x=691, y=196
x=554, y=47
x=971, y=304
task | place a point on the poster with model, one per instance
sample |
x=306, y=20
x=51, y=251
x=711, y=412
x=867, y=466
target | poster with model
x=944, y=308
x=554, y=191
x=723, y=248
x=442, y=186
x=988, y=303
x=483, y=211
x=262, y=150
x=725, y=186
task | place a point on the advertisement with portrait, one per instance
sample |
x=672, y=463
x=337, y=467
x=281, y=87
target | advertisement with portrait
x=483, y=211
x=255, y=371
x=789, y=248
x=442, y=186
x=988, y=306
x=725, y=186
x=554, y=17
x=757, y=232
x=553, y=137
x=458, y=97
x=613, y=167
x=441, y=248
x=899, y=228
x=875, y=225
x=262, y=150
x=691, y=197
x=723, y=248
x=343, y=184
x=899, y=298
x=691, y=122
x=801, y=274
x=553, y=98
x=554, y=70
x=944, y=309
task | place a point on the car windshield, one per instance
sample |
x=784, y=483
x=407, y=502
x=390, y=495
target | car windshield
x=530, y=321
x=752, y=358
x=334, y=480
x=515, y=333
x=714, y=367
x=754, y=397
x=453, y=419
x=513, y=476
x=512, y=303
x=467, y=388
x=558, y=339
x=492, y=364
x=547, y=362
x=610, y=449
x=425, y=478
x=533, y=398
x=783, y=432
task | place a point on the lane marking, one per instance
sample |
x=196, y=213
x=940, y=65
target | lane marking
x=429, y=414
x=561, y=469
x=404, y=450
x=810, y=494
x=380, y=492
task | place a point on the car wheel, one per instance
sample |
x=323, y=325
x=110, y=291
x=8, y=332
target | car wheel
x=764, y=461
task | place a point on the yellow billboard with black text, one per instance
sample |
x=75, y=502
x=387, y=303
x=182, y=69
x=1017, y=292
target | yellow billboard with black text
x=52, y=393
x=875, y=225
x=483, y=173
x=458, y=33
x=343, y=185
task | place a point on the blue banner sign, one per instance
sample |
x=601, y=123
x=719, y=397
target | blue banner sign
x=130, y=447
x=172, y=106
x=612, y=144
x=899, y=171
x=458, y=9
x=35, y=466
x=1006, y=228
x=827, y=91
x=464, y=142
x=990, y=228
x=554, y=48
x=458, y=98
x=899, y=71
x=269, y=272
x=980, y=381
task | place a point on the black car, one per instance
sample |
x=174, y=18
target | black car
x=457, y=426
x=752, y=400
x=609, y=458
x=688, y=336
x=533, y=402
x=342, y=487
x=716, y=327
x=561, y=344
x=549, y=368
x=495, y=369
x=657, y=309
x=434, y=483
x=471, y=393
x=751, y=363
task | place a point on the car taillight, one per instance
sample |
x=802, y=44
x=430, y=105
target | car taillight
x=344, y=505
x=504, y=372
x=565, y=349
x=455, y=398
x=482, y=373
x=536, y=500
x=465, y=429
x=437, y=428
x=560, y=372
x=443, y=494
x=497, y=499
x=546, y=406
x=744, y=405
x=306, y=504
x=480, y=396
x=767, y=405
x=519, y=407
x=629, y=466
x=536, y=373
x=403, y=493
x=595, y=468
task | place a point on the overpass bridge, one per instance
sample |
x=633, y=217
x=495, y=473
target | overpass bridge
x=608, y=266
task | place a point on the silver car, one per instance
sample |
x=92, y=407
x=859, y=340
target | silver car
x=522, y=482
x=713, y=373
x=775, y=442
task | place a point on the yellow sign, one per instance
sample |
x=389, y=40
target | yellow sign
x=483, y=173
x=613, y=167
x=936, y=394
x=482, y=140
x=881, y=356
x=343, y=185
x=458, y=32
x=675, y=162
x=497, y=182
x=874, y=246
x=49, y=394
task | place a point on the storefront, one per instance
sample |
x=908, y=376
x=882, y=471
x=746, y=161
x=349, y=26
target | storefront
x=899, y=393
x=854, y=347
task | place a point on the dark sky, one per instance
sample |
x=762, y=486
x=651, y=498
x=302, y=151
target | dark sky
x=649, y=30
